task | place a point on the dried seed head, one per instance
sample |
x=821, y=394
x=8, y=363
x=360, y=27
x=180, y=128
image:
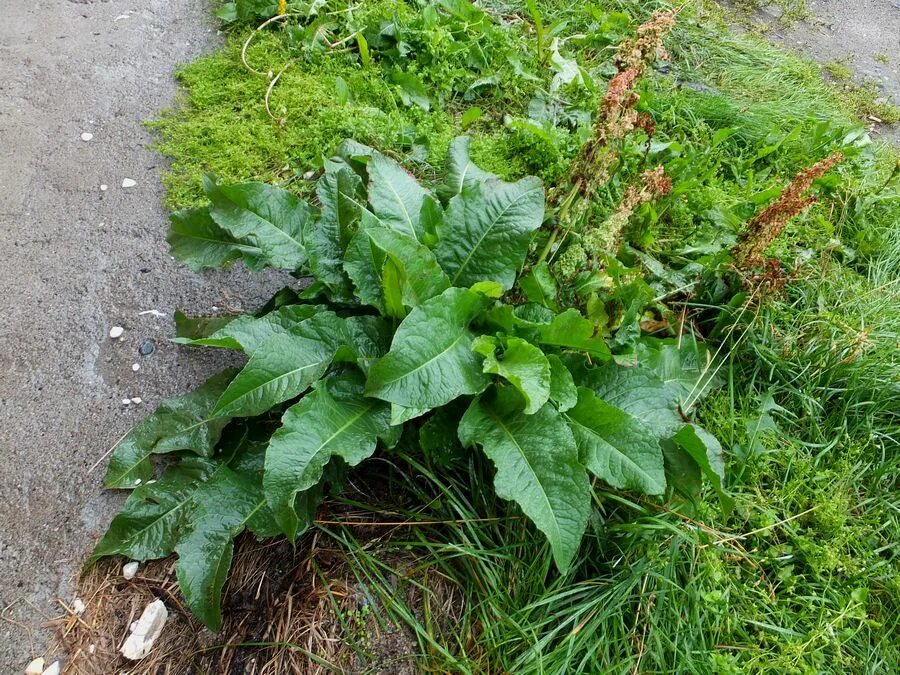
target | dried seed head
x=647, y=45
x=765, y=226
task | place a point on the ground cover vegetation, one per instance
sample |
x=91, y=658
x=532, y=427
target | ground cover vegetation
x=574, y=261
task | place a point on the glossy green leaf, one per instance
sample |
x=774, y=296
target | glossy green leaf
x=196, y=240
x=248, y=333
x=325, y=239
x=570, y=330
x=486, y=230
x=154, y=515
x=563, y=391
x=283, y=367
x=183, y=423
x=396, y=197
x=615, y=446
x=196, y=327
x=364, y=265
x=419, y=276
x=431, y=361
x=460, y=172
x=537, y=467
x=268, y=217
x=341, y=196
x=223, y=507
x=521, y=364
x=539, y=286
x=334, y=419
x=636, y=391
x=706, y=451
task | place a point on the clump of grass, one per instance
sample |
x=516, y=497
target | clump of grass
x=839, y=70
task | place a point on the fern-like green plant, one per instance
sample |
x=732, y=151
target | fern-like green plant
x=405, y=328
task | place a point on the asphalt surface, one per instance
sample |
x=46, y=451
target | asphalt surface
x=76, y=261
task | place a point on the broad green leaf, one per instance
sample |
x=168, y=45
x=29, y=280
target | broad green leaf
x=183, y=423
x=196, y=327
x=521, y=364
x=431, y=361
x=706, y=451
x=367, y=338
x=249, y=333
x=288, y=363
x=334, y=419
x=340, y=194
x=412, y=91
x=419, y=275
x=396, y=197
x=155, y=513
x=486, y=230
x=570, y=330
x=223, y=507
x=401, y=414
x=196, y=240
x=687, y=367
x=636, y=391
x=615, y=446
x=537, y=467
x=364, y=264
x=270, y=218
x=392, y=289
x=539, y=286
x=563, y=391
x=460, y=172
x=284, y=367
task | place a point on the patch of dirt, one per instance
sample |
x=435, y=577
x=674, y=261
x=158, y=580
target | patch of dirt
x=298, y=612
x=859, y=36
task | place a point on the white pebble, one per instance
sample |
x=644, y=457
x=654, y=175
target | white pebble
x=53, y=669
x=137, y=399
x=128, y=183
x=136, y=367
x=129, y=570
x=101, y=224
x=116, y=332
x=145, y=631
x=78, y=606
x=36, y=667
x=126, y=401
x=137, y=481
x=87, y=137
x=104, y=188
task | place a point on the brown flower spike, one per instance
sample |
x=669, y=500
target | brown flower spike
x=765, y=226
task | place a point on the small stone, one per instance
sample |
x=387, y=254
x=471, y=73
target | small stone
x=116, y=332
x=92, y=649
x=135, y=367
x=101, y=224
x=87, y=137
x=129, y=183
x=36, y=667
x=126, y=401
x=137, y=481
x=104, y=188
x=129, y=570
x=78, y=606
x=145, y=631
x=137, y=399
x=147, y=348
x=53, y=669
x=309, y=175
